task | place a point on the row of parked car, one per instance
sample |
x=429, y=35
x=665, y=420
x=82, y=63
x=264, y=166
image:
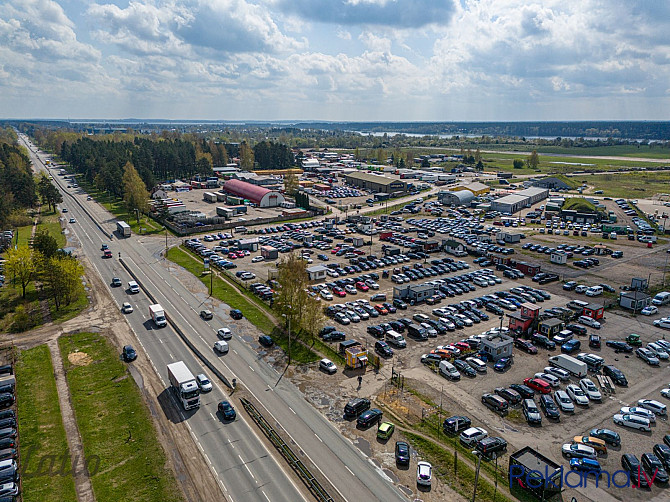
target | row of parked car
x=9, y=472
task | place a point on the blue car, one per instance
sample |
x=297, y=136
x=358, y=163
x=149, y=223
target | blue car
x=502, y=364
x=571, y=346
x=588, y=465
x=227, y=410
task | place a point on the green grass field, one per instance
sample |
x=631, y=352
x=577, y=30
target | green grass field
x=115, y=425
x=632, y=185
x=250, y=305
x=41, y=429
x=117, y=207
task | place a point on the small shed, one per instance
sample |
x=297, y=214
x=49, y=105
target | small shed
x=317, y=272
x=451, y=246
x=391, y=251
x=269, y=253
x=509, y=237
x=594, y=311
x=559, y=257
x=414, y=293
x=550, y=327
x=528, y=268
x=497, y=346
x=356, y=357
x=357, y=241
x=634, y=300
x=249, y=244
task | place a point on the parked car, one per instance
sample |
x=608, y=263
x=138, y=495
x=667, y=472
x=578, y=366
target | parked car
x=471, y=436
x=564, y=402
x=456, y=424
x=632, y=421
x=549, y=407
x=424, y=473
x=327, y=366
x=609, y=436
x=572, y=450
x=402, y=453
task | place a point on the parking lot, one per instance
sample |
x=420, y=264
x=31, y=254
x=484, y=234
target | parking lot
x=464, y=396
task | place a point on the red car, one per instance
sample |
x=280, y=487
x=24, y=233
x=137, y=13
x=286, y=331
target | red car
x=361, y=286
x=333, y=251
x=240, y=254
x=538, y=384
x=381, y=309
x=339, y=292
x=232, y=256
x=464, y=347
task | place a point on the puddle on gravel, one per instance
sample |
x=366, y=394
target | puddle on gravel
x=364, y=446
x=391, y=475
x=407, y=491
x=247, y=338
x=325, y=401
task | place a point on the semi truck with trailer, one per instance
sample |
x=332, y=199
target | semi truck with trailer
x=157, y=315
x=184, y=385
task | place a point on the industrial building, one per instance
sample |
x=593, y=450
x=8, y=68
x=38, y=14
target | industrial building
x=457, y=198
x=476, y=188
x=375, y=182
x=256, y=194
x=515, y=202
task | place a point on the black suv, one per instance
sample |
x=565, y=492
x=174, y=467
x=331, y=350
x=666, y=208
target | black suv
x=334, y=336
x=383, y=349
x=615, y=374
x=236, y=314
x=509, y=395
x=549, y=407
x=369, y=417
x=376, y=331
x=630, y=463
x=543, y=341
x=653, y=466
x=356, y=406
x=525, y=391
x=492, y=445
x=456, y=424
x=662, y=451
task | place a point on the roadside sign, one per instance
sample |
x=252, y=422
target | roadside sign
x=205, y=261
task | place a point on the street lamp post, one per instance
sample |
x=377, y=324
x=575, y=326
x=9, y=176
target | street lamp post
x=479, y=463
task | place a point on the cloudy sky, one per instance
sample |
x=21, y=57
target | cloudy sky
x=359, y=60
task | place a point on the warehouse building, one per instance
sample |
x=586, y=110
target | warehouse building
x=457, y=198
x=476, y=188
x=256, y=194
x=510, y=204
x=534, y=194
x=377, y=183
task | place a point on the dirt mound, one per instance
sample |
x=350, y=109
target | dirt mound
x=79, y=358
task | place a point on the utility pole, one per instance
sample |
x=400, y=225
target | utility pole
x=479, y=463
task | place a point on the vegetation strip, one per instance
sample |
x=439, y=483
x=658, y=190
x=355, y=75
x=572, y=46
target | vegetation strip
x=46, y=463
x=115, y=426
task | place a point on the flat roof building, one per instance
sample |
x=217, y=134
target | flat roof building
x=375, y=182
x=510, y=203
x=475, y=187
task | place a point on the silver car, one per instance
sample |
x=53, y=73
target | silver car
x=563, y=401
x=577, y=395
x=203, y=382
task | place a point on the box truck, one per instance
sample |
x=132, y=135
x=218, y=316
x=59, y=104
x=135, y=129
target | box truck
x=157, y=315
x=569, y=364
x=184, y=385
x=123, y=228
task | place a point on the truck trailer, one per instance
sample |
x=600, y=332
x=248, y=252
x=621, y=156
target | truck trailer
x=570, y=364
x=123, y=228
x=157, y=315
x=184, y=385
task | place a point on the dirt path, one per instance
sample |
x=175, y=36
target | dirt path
x=82, y=481
x=191, y=471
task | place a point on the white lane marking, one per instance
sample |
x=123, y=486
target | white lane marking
x=292, y=410
x=317, y=437
x=347, y=468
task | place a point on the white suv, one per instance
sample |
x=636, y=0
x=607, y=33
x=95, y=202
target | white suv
x=470, y=437
x=653, y=405
x=632, y=421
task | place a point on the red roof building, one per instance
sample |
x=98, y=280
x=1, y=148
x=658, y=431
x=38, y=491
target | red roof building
x=254, y=193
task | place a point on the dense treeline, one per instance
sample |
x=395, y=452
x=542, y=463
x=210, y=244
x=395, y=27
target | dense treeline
x=271, y=155
x=16, y=179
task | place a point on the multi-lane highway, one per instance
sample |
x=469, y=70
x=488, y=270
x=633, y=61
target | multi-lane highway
x=244, y=467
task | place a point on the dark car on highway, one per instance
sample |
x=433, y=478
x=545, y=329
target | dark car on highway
x=227, y=410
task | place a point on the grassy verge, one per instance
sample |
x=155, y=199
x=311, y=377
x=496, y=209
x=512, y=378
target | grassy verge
x=41, y=429
x=115, y=425
x=117, y=207
x=464, y=479
x=256, y=313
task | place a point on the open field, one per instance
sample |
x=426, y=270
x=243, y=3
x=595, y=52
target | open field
x=632, y=185
x=117, y=207
x=43, y=441
x=114, y=424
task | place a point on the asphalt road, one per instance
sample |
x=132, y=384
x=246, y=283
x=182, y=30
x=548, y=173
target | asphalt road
x=230, y=448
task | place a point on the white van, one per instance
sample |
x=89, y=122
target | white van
x=662, y=298
x=448, y=370
x=241, y=230
x=221, y=347
x=133, y=287
x=594, y=291
x=395, y=338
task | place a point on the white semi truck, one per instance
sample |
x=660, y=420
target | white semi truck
x=184, y=385
x=158, y=315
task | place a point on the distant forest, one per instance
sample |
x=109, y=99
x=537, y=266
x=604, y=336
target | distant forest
x=659, y=131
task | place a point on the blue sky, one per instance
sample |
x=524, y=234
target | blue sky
x=357, y=60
